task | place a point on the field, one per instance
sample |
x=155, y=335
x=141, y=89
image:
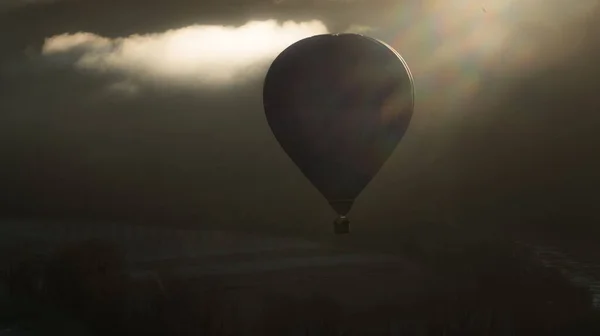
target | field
x=111, y=279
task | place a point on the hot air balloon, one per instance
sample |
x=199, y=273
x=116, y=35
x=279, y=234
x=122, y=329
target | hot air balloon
x=339, y=104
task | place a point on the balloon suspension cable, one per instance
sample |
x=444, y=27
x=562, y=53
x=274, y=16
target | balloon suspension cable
x=341, y=225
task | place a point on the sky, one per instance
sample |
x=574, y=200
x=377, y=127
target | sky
x=153, y=112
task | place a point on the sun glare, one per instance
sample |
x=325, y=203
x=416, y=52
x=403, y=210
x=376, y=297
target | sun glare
x=453, y=45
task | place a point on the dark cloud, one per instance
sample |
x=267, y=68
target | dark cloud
x=205, y=155
x=505, y=125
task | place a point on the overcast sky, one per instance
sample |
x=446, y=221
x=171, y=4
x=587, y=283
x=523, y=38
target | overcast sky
x=152, y=110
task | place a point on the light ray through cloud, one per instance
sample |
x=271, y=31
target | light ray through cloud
x=452, y=45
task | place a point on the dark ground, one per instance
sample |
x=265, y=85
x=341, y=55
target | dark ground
x=447, y=283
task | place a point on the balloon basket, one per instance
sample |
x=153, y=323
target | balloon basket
x=341, y=225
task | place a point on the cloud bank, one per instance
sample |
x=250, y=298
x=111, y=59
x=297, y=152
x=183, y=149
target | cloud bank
x=194, y=55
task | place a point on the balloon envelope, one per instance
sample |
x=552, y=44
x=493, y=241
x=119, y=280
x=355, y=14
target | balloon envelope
x=339, y=105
